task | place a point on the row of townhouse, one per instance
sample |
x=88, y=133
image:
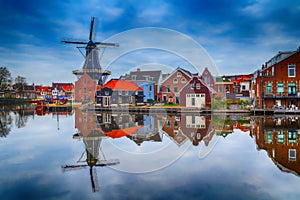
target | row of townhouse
x=178, y=87
x=277, y=83
x=39, y=91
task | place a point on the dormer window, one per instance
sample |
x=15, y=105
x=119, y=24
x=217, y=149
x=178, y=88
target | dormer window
x=133, y=77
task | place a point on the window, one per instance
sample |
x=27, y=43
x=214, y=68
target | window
x=84, y=81
x=133, y=77
x=269, y=88
x=175, y=80
x=168, y=88
x=183, y=80
x=193, y=101
x=269, y=137
x=146, y=77
x=207, y=79
x=292, y=88
x=175, y=89
x=292, y=136
x=280, y=139
x=198, y=86
x=220, y=88
x=280, y=88
x=292, y=71
x=243, y=87
x=179, y=74
x=150, y=88
x=292, y=154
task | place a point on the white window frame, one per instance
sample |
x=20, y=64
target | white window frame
x=175, y=80
x=291, y=66
x=292, y=158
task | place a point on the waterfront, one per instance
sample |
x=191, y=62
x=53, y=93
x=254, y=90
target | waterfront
x=60, y=156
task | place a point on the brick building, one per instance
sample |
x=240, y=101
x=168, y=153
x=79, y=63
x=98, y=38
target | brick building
x=85, y=89
x=278, y=82
x=171, y=85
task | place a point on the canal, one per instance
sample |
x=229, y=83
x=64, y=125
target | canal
x=85, y=154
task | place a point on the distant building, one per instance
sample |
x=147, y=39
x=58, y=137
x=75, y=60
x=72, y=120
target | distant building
x=241, y=84
x=279, y=137
x=85, y=89
x=148, y=80
x=172, y=84
x=43, y=92
x=148, y=88
x=195, y=94
x=208, y=78
x=64, y=89
x=223, y=87
x=119, y=93
x=277, y=84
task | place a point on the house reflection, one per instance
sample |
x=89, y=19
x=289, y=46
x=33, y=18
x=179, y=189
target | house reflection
x=279, y=137
x=91, y=135
x=188, y=127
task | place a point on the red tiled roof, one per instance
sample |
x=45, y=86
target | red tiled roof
x=122, y=132
x=120, y=85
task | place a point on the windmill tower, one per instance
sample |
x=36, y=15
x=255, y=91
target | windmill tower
x=92, y=144
x=91, y=65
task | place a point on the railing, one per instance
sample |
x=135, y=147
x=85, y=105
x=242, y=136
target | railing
x=283, y=95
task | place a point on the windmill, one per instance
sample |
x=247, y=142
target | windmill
x=92, y=62
x=92, y=146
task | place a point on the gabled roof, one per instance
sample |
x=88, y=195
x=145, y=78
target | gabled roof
x=116, y=84
x=122, y=132
x=140, y=75
x=186, y=72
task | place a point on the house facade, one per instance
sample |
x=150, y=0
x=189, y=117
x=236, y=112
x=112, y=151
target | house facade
x=279, y=137
x=85, y=89
x=119, y=93
x=64, y=89
x=171, y=85
x=277, y=84
x=195, y=94
x=148, y=80
x=208, y=78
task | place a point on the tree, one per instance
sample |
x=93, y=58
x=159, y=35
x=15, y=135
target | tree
x=5, y=76
x=20, y=82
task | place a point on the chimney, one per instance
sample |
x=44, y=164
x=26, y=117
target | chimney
x=138, y=69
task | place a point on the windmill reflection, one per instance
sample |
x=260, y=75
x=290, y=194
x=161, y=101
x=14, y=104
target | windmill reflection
x=86, y=125
x=279, y=137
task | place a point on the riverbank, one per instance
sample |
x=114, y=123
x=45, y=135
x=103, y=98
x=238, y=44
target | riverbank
x=179, y=110
x=12, y=101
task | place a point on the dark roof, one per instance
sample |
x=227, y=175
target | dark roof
x=140, y=75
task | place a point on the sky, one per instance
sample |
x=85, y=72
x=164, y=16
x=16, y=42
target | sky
x=237, y=36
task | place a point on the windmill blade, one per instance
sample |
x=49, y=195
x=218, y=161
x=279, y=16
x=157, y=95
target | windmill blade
x=107, y=44
x=72, y=167
x=91, y=29
x=73, y=41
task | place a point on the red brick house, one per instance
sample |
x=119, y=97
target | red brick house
x=172, y=128
x=85, y=89
x=208, y=78
x=278, y=81
x=172, y=84
x=280, y=139
x=196, y=94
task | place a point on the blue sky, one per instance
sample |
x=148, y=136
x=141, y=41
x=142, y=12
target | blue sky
x=238, y=35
